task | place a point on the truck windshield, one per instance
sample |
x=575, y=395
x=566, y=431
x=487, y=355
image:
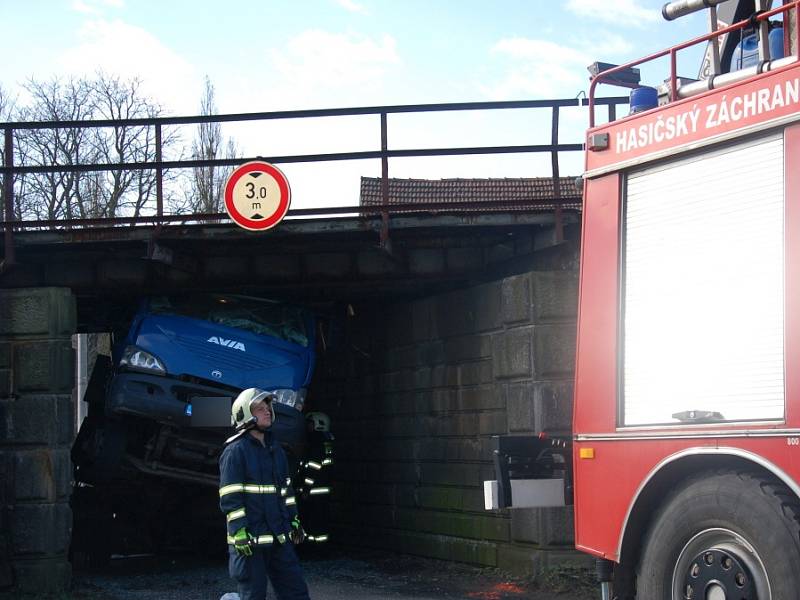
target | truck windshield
x=264, y=317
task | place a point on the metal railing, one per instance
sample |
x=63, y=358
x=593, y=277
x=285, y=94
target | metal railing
x=791, y=8
x=9, y=169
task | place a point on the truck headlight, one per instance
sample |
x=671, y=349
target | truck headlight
x=136, y=358
x=294, y=398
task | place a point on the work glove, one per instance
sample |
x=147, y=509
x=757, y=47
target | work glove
x=297, y=534
x=243, y=542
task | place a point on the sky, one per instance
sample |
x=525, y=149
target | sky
x=283, y=55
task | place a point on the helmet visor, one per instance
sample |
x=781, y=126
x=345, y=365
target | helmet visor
x=266, y=398
x=261, y=396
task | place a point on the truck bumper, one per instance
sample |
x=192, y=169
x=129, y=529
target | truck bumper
x=157, y=398
x=164, y=400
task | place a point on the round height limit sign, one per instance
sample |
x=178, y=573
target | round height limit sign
x=257, y=196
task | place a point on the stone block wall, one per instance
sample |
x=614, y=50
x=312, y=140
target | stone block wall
x=36, y=431
x=415, y=401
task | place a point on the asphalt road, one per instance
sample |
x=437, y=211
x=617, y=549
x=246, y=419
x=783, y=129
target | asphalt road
x=335, y=574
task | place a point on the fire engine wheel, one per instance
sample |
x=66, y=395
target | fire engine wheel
x=723, y=535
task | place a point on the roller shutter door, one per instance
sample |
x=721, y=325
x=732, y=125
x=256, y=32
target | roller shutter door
x=703, y=286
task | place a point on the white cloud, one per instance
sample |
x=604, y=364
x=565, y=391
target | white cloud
x=544, y=69
x=539, y=69
x=118, y=48
x=611, y=45
x=336, y=57
x=618, y=12
x=538, y=50
x=95, y=7
x=352, y=6
x=318, y=64
x=82, y=7
x=315, y=69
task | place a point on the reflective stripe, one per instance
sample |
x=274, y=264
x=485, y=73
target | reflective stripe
x=236, y=514
x=288, y=481
x=231, y=489
x=248, y=488
x=284, y=491
x=261, y=540
x=290, y=501
x=264, y=539
x=259, y=489
x=317, y=538
x=309, y=481
x=327, y=461
x=282, y=538
x=320, y=490
x=314, y=465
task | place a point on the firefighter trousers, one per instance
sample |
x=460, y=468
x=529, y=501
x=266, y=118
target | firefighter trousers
x=278, y=563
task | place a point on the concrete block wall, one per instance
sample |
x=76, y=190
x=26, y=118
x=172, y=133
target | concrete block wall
x=36, y=430
x=416, y=400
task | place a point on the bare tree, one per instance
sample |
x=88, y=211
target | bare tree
x=207, y=187
x=52, y=195
x=108, y=193
x=6, y=112
x=122, y=191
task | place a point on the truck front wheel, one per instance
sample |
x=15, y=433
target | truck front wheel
x=723, y=535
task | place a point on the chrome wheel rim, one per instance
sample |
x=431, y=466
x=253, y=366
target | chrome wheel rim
x=719, y=564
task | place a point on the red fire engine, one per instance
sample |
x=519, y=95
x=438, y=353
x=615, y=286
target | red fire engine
x=684, y=459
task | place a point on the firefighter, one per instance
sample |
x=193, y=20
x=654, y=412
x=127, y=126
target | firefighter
x=257, y=498
x=314, y=485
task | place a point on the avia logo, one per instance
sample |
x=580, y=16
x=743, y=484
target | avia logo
x=227, y=343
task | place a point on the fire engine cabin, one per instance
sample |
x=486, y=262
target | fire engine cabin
x=685, y=449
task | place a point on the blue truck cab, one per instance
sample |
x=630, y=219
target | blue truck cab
x=184, y=351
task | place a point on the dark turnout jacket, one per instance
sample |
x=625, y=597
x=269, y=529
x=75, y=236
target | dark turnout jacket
x=255, y=489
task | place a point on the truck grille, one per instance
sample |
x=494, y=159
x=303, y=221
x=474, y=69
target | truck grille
x=223, y=356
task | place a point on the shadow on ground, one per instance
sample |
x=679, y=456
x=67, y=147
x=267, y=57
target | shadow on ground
x=332, y=572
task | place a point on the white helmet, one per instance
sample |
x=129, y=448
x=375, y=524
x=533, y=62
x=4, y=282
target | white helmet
x=319, y=421
x=241, y=408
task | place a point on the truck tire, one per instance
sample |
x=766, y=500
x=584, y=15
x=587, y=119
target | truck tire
x=723, y=534
x=92, y=526
x=96, y=389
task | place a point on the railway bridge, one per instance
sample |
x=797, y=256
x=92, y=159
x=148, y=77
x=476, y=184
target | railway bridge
x=458, y=298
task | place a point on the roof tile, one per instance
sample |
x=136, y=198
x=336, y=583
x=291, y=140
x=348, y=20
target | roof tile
x=422, y=191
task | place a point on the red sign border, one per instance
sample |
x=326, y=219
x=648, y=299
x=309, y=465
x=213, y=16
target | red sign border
x=283, y=204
